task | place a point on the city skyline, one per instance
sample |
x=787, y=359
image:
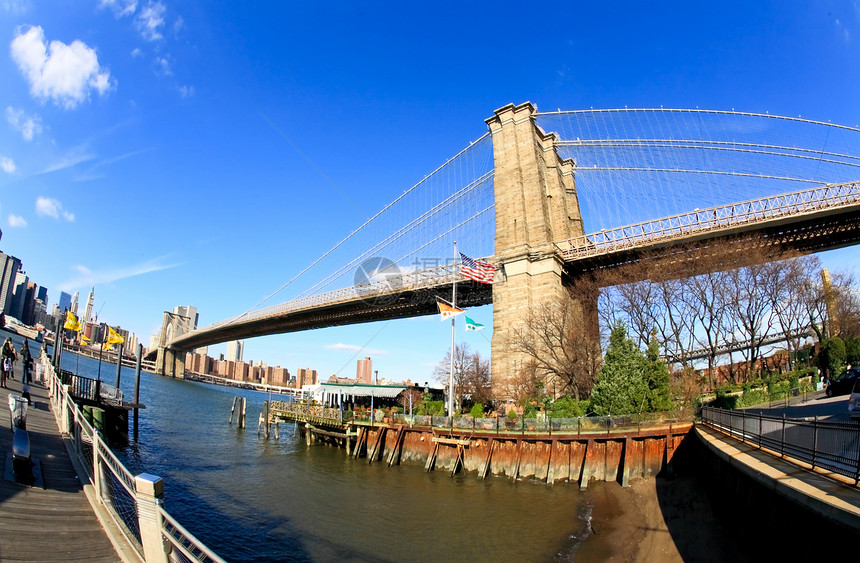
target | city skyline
x=204, y=156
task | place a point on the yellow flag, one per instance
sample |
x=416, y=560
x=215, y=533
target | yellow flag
x=113, y=337
x=85, y=339
x=72, y=322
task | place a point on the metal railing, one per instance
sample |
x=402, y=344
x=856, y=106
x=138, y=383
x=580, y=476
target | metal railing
x=116, y=488
x=684, y=225
x=306, y=412
x=833, y=446
x=412, y=281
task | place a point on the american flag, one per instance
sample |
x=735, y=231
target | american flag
x=482, y=272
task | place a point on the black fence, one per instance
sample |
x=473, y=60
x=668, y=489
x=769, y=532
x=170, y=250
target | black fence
x=834, y=446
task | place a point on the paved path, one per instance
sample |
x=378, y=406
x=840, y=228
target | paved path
x=829, y=495
x=54, y=523
x=831, y=409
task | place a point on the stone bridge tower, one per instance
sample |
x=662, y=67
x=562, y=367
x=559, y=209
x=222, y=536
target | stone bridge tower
x=536, y=205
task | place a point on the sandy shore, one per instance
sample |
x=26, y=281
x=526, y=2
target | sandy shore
x=659, y=519
x=628, y=525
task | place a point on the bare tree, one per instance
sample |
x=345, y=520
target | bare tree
x=471, y=374
x=560, y=342
x=707, y=301
x=846, y=304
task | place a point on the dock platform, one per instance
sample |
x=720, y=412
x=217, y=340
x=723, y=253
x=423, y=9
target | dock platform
x=52, y=520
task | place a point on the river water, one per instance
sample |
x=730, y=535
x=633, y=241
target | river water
x=252, y=499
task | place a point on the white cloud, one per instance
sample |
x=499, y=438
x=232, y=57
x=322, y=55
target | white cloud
x=150, y=20
x=186, y=91
x=7, y=164
x=16, y=221
x=136, y=52
x=88, y=278
x=48, y=207
x=28, y=125
x=120, y=8
x=843, y=31
x=63, y=73
x=74, y=157
x=17, y=7
x=163, y=66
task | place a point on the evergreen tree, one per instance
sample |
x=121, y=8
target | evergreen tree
x=832, y=356
x=621, y=386
x=657, y=376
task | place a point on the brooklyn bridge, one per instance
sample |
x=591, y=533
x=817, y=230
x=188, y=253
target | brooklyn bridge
x=548, y=197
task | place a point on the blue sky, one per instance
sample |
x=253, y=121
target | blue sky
x=202, y=153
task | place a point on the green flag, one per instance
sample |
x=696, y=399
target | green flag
x=472, y=325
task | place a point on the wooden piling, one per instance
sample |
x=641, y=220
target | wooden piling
x=491, y=443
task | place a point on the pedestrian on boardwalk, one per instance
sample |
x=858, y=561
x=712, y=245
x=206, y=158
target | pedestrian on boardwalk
x=26, y=363
x=8, y=356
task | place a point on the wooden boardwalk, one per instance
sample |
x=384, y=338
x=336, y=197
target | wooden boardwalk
x=54, y=523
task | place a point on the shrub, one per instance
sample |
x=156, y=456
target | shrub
x=724, y=400
x=436, y=408
x=512, y=414
x=477, y=410
x=567, y=407
x=750, y=398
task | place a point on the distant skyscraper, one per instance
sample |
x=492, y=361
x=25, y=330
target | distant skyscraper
x=74, y=308
x=42, y=294
x=88, y=311
x=9, y=266
x=363, y=371
x=188, y=318
x=65, y=302
x=235, y=349
x=19, y=296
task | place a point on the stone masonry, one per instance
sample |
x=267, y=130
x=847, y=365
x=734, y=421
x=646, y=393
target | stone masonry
x=536, y=205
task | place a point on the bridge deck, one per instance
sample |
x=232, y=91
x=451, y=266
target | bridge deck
x=54, y=523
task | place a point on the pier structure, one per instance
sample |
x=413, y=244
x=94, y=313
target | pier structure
x=573, y=450
x=74, y=500
x=52, y=502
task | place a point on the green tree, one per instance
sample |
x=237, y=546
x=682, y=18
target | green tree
x=621, y=386
x=832, y=356
x=852, y=351
x=657, y=377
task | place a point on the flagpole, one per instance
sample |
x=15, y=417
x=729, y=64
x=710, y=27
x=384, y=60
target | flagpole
x=453, y=317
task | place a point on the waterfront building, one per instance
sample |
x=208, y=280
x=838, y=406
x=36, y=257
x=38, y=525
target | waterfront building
x=88, y=310
x=9, y=267
x=364, y=370
x=306, y=376
x=235, y=350
x=278, y=376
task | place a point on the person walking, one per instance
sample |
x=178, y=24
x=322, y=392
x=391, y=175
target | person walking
x=8, y=356
x=26, y=363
